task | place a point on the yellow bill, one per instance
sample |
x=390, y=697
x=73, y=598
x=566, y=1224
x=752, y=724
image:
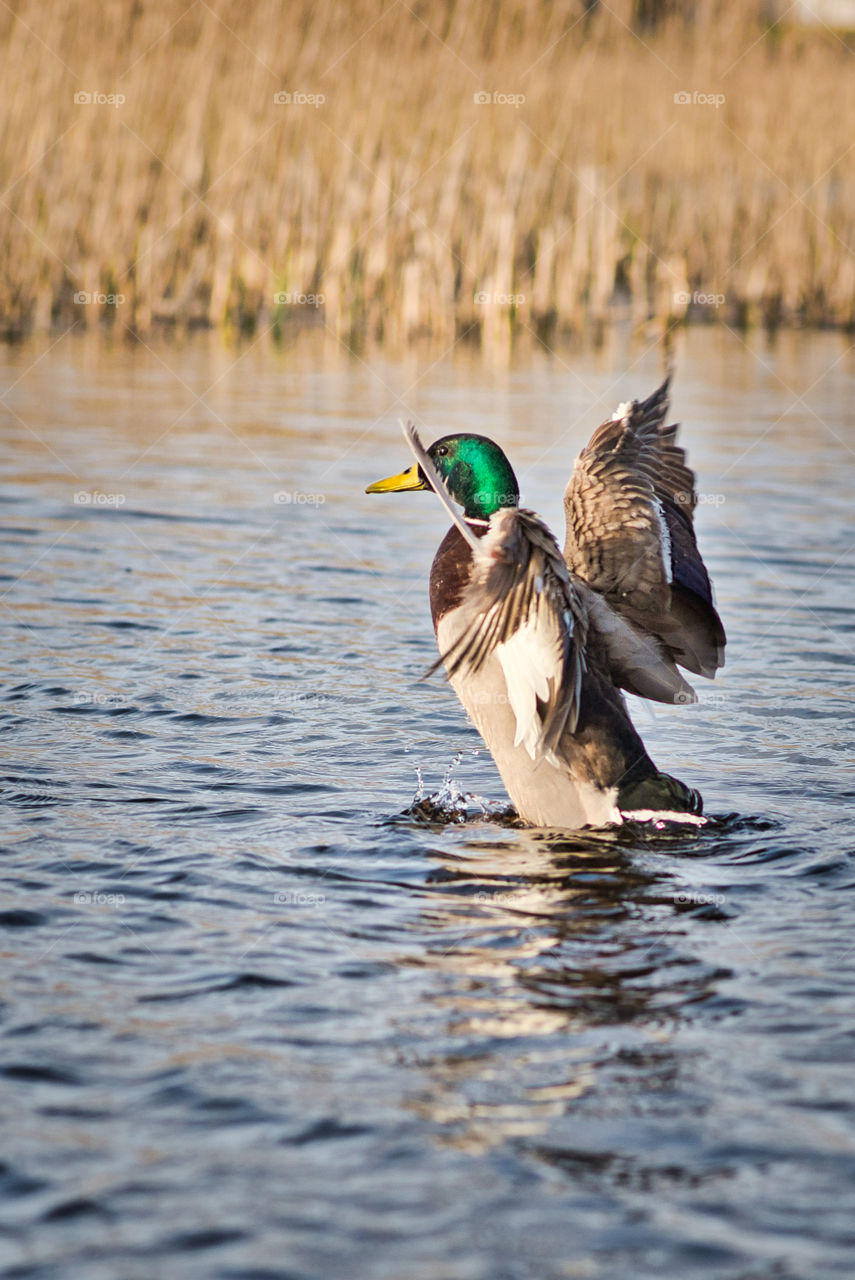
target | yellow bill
x=409, y=479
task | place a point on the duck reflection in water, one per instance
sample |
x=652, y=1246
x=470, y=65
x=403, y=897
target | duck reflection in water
x=564, y=973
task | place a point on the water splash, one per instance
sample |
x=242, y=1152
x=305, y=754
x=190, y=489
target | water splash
x=451, y=804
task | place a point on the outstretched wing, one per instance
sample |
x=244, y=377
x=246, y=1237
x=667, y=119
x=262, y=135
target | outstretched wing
x=522, y=606
x=630, y=535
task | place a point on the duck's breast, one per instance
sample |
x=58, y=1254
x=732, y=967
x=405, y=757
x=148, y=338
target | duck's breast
x=544, y=794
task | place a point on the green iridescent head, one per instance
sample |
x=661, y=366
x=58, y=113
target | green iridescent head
x=476, y=471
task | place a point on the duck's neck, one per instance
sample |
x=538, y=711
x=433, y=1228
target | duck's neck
x=450, y=570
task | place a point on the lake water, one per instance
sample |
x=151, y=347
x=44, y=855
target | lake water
x=259, y=1023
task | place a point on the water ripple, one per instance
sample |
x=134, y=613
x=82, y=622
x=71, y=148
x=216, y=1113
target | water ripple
x=286, y=988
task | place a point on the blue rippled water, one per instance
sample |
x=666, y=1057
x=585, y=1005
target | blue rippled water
x=258, y=1020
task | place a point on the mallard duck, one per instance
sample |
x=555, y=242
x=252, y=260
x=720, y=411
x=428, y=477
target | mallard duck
x=538, y=645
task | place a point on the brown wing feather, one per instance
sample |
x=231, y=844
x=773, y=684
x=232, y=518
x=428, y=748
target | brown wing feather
x=519, y=577
x=630, y=536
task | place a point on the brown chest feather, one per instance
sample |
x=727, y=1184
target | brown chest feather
x=449, y=573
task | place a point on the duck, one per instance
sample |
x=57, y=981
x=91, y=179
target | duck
x=541, y=644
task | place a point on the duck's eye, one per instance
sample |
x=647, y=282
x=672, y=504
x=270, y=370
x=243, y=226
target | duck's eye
x=442, y=451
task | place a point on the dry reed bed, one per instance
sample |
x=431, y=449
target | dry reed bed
x=400, y=199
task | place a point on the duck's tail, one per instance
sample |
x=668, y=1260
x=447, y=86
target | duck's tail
x=659, y=793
